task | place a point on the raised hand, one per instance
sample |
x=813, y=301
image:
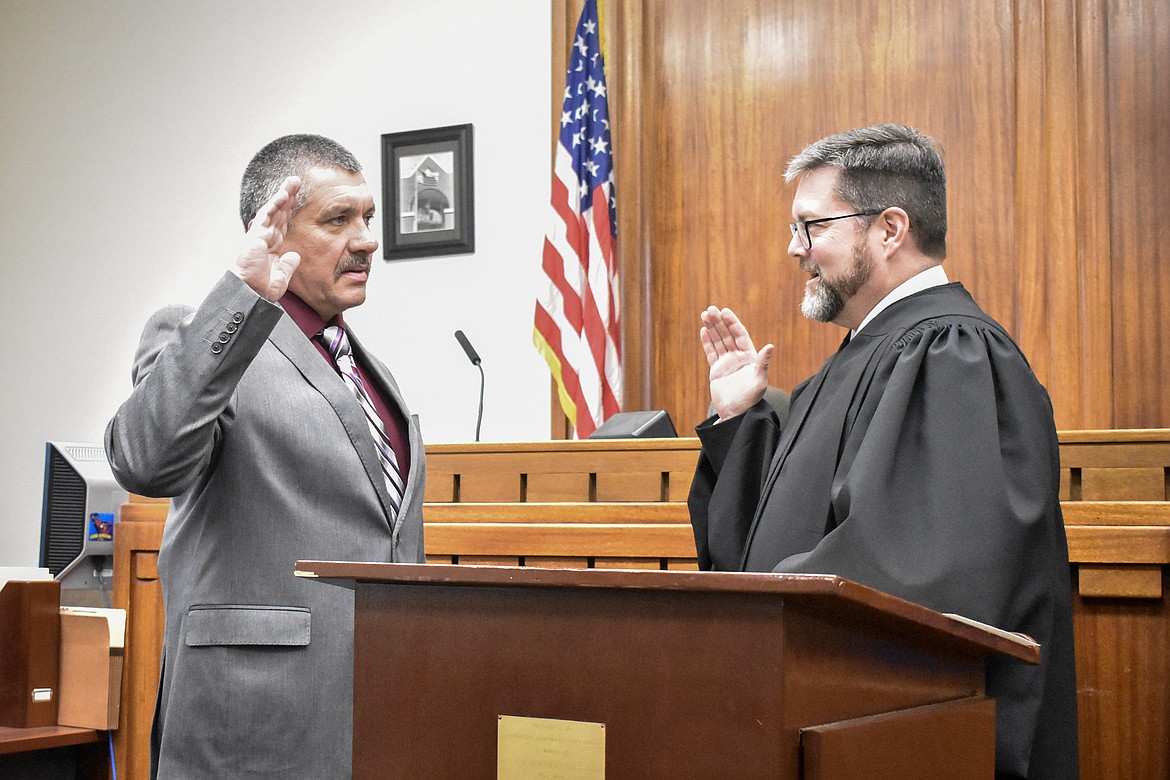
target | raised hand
x=739, y=374
x=262, y=263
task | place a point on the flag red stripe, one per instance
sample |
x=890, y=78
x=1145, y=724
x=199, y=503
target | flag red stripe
x=569, y=379
x=603, y=230
x=554, y=268
x=576, y=233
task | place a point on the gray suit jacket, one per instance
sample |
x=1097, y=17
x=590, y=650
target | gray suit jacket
x=267, y=458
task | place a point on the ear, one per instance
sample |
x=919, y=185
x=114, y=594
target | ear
x=894, y=227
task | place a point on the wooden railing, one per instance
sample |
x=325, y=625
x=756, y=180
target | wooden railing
x=622, y=504
x=1115, y=494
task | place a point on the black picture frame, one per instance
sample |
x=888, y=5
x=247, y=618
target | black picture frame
x=428, y=193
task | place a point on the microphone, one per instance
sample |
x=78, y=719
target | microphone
x=473, y=356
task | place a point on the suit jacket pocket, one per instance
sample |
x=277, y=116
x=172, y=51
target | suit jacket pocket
x=247, y=624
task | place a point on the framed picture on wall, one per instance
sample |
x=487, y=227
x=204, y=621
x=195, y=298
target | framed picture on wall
x=428, y=193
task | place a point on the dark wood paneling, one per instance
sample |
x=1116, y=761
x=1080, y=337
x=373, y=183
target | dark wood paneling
x=1137, y=72
x=729, y=94
x=1061, y=284
x=1053, y=117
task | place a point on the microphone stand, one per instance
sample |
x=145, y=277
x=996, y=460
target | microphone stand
x=479, y=419
x=473, y=356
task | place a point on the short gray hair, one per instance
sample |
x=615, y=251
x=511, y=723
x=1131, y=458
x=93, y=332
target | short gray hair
x=883, y=166
x=292, y=155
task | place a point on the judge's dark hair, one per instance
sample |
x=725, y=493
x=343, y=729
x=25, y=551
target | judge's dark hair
x=883, y=166
x=292, y=155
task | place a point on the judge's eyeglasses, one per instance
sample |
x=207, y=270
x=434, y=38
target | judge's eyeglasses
x=800, y=229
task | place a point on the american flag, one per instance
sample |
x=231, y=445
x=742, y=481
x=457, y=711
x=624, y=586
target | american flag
x=577, y=326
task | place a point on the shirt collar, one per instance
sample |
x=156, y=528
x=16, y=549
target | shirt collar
x=934, y=276
x=306, y=319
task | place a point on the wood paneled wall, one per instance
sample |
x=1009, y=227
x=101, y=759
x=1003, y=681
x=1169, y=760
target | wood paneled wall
x=1054, y=118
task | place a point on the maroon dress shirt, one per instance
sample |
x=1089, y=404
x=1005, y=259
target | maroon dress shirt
x=393, y=419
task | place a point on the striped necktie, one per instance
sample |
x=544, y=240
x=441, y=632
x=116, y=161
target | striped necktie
x=337, y=343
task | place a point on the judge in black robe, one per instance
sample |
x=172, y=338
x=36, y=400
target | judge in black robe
x=921, y=460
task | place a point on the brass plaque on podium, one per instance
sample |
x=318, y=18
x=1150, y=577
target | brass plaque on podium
x=549, y=749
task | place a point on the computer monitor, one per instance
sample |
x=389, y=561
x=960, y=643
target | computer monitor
x=79, y=516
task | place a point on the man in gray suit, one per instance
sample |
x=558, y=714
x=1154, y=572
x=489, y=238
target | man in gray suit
x=244, y=420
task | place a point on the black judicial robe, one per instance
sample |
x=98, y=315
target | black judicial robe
x=921, y=460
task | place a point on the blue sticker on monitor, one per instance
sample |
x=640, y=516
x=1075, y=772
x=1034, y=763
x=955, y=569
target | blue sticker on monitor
x=101, y=527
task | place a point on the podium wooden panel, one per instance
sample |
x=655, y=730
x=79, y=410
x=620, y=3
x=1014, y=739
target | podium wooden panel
x=692, y=674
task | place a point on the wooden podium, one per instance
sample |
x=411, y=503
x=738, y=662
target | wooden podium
x=683, y=674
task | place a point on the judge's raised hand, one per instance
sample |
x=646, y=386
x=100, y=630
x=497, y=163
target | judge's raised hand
x=262, y=263
x=739, y=374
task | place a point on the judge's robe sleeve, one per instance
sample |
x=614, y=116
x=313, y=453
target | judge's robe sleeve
x=721, y=511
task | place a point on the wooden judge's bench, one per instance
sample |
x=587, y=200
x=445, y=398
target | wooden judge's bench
x=622, y=505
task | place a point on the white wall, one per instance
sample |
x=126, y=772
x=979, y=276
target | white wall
x=124, y=129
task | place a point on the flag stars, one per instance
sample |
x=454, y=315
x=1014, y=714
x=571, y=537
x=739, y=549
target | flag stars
x=598, y=145
x=566, y=119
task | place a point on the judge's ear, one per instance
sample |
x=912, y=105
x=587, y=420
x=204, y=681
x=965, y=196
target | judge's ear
x=894, y=224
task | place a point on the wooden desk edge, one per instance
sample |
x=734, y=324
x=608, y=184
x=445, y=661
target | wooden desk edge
x=18, y=740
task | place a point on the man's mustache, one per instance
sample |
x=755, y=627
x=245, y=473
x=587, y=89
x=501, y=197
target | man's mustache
x=352, y=263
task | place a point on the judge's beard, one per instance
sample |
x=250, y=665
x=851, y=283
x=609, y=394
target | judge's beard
x=826, y=301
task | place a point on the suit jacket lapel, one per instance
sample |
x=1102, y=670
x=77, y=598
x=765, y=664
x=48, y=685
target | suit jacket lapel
x=378, y=372
x=291, y=342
